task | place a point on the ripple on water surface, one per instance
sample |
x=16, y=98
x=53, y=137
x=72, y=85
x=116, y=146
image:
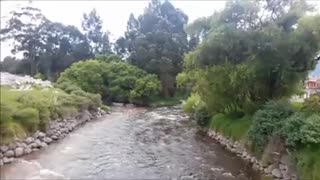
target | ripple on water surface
x=133, y=143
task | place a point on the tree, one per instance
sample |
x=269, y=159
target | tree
x=98, y=40
x=249, y=58
x=156, y=42
x=23, y=28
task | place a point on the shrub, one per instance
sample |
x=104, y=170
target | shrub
x=105, y=108
x=292, y=129
x=190, y=104
x=268, y=122
x=28, y=117
x=311, y=130
x=114, y=80
x=312, y=105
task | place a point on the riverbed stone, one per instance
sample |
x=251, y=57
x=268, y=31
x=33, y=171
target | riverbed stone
x=4, y=148
x=33, y=145
x=38, y=142
x=27, y=150
x=1, y=162
x=12, y=146
x=47, y=140
x=7, y=160
x=18, y=152
x=54, y=137
x=9, y=153
x=29, y=140
x=35, y=149
x=44, y=145
x=276, y=173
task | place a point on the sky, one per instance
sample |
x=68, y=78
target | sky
x=114, y=13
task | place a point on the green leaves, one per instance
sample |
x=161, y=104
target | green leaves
x=112, y=78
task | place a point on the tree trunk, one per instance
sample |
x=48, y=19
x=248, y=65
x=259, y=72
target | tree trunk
x=167, y=82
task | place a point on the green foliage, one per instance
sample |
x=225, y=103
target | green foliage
x=268, y=122
x=311, y=130
x=292, y=129
x=156, y=42
x=234, y=127
x=28, y=118
x=113, y=80
x=191, y=103
x=308, y=162
x=39, y=76
x=26, y=111
x=312, y=104
x=105, y=108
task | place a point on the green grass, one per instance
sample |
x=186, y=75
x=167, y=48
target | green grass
x=308, y=162
x=297, y=105
x=236, y=128
x=159, y=101
x=23, y=112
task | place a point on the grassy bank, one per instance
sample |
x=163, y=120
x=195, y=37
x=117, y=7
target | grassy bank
x=158, y=101
x=23, y=112
x=233, y=127
x=307, y=158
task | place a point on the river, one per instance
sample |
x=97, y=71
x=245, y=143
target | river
x=133, y=143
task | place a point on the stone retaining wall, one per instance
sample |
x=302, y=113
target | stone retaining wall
x=280, y=171
x=57, y=130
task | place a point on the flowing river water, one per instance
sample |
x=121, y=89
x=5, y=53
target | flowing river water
x=133, y=143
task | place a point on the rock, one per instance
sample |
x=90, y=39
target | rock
x=18, y=151
x=50, y=132
x=35, y=149
x=1, y=155
x=12, y=146
x=29, y=140
x=27, y=150
x=7, y=160
x=9, y=153
x=283, y=167
x=276, y=173
x=1, y=162
x=38, y=142
x=33, y=145
x=36, y=135
x=41, y=135
x=256, y=167
x=4, y=148
x=24, y=145
x=253, y=160
x=44, y=145
x=54, y=137
x=227, y=174
x=47, y=140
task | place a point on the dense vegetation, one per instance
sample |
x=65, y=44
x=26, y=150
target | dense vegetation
x=23, y=112
x=240, y=66
x=246, y=67
x=114, y=79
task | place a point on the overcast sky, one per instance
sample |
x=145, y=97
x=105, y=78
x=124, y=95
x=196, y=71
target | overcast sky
x=113, y=13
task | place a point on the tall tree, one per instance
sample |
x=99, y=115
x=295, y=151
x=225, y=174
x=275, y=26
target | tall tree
x=98, y=40
x=156, y=42
x=23, y=28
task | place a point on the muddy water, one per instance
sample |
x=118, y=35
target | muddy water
x=133, y=143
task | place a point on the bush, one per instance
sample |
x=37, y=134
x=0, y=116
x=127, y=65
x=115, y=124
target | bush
x=312, y=105
x=269, y=121
x=114, y=80
x=292, y=129
x=311, y=130
x=28, y=117
x=105, y=108
x=191, y=103
x=236, y=128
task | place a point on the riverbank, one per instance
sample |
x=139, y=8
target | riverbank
x=58, y=129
